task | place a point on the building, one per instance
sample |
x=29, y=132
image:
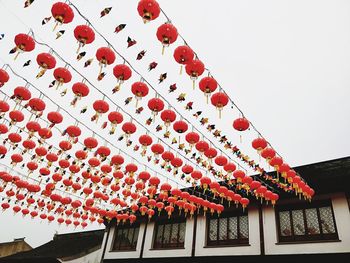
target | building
x=13, y=247
x=79, y=247
x=293, y=230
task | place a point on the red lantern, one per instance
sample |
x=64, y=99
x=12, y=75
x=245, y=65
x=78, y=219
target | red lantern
x=155, y=105
x=73, y=132
x=84, y=35
x=140, y=90
x=259, y=144
x=167, y=34
x=219, y=100
x=268, y=153
x=100, y=107
x=62, y=13
x=205, y=182
x=122, y=72
x=24, y=43
x=4, y=107
x=202, y=146
x=90, y=143
x=168, y=116
x=221, y=160
x=16, y=158
x=21, y=94
x=148, y=10
x=210, y=153
x=196, y=175
x=168, y=156
x=194, y=69
x=103, y=152
x=169, y=209
x=275, y=162
x=117, y=161
x=44, y=133
x=144, y=176
x=105, y=56
x=241, y=124
x=244, y=202
x=15, y=116
x=176, y=162
x=283, y=169
x=115, y=118
x=3, y=128
x=128, y=128
x=55, y=118
x=62, y=75
x=4, y=77
x=180, y=126
x=157, y=149
x=208, y=85
x=80, y=90
x=239, y=175
x=45, y=61
x=187, y=169
x=36, y=105
x=183, y=55
x=192, y=138
x=145, y=140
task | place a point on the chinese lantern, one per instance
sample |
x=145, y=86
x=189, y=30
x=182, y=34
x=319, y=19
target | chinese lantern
x=36, y=105
x=176, y=162
x=194, y=69
x=221, y=160
x=239, y=175
x=275, y=162
x=128, y=128
x=219, y=100
x=3, y=151
x=16, y=158
x=84, y=35
x=183, y=55
x=115, y=118
x=145, y=140
x=192, y=138
x=268, y=153
x=62, y=13
x=290, y=175
x=144, y=176
x=45, y=61
x=131, y=169
x=32, y=127
x=241, y=124
x=155, y=105
x=122, y=72
x=211, y=153
x=105, y=56
x=202, y=146
x=168, y=116
x=117, y=161
x=259, y=144
x=274, y=197
x=4, y=77
x=167, y=34
x=157, y=149
x=44, y=134
x=24, y=43
x=100, y=107
x=205, y=182
x=21, y=94
x=169, y=209
x=80, y=90
x=28, y=145
x=283, y=169
x=140, y=90
x=180, y=127
x=55, y=118
x=260, y=191
x=90, y=143
x=62, y=75
x=73, y=132
x=244, y=202
x=208, y=85
x=103, y=152
x=148, y=10
x=196, y=175
x=3, y=128
x=4, y=107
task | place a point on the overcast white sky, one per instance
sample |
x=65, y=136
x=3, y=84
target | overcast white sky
x=285, y=63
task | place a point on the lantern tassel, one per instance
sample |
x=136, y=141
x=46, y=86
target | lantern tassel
x=55, y=27
x=163, y=49
x=193, y=84
x=17, y=54
x=181, y=69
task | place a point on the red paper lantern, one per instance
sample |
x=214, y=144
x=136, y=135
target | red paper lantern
x=24, y=43
x=167, y=34
x=145, y=140
x=192, y=138
x=148, y=10
x=80, y=90
x=122, y=72
x=128, y=128
x=140, y=90
x=4, y=77
x=259, y=144
x=194, y=69
x=202, y=146
x=115, y=118
x=268, y=153
x=211, y=153
x=183, y=55
x=62, y=13
x=90, y=143
x=155, y=105
x=103, y=152
x=187, y=169
x=45, y=61
x=168, y=116
x=3, y=128
x=168, y=156
x=196, y=175
x=4, y=107
x=62, y=75
x=105, y=56
x=100, y=107
x=54, y=117
x=144, y=176
x=15, y=116
x=208, y=85
x=176, y=162
x=239, y=175
x=73, y=131
x=21, y=94
x=45, y=133
x=275, y=162
x=36, y=104
x=219, y=100
x=157, y=149
x=16, y=158
x=241, y=124
x=180, y=126
x=221, y=160
x=84, y=35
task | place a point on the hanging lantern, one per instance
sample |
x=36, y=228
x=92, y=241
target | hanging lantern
x=140, y=90
x=84, y=35
x=194, y=69
x=268, y=153
x=202, y=146
x=219, y=100
x=196, y=175
x=55, y=118
x=32, y=127
x=192, y=138
x=128, y=129
x=144, y=176
x=221, y=160
x=3, y=128
x=37, y=106
x=4, y=107
x=16, y=158
x=259, y=144
x=187, y=169
x=45, y=61
x=62, y=75
x=210, y=153
x=155, y=105
x=244, y=202
x=180, y=127
x=148, y=10
x=241, y=124
x=166, y=34
x=239, y=175
x=274, y=197
x=62, y=13
x=168, y=116
x=183, y=55
x=28, y=145
x=105, y=56
x=115, y=118
x=169, y=209
x=100, y=107
x=275, y=162
x=290, y=175
x=73, y=132
x=122, y=72
x=103, y=152
x=4, y=77
x=21, y=94
x=208, y=85
x=168, y=156
x=205, y=182
x=24, y=43
x=90, y=143
x=117, y=161
x=80, y=90
x=16, y=116
x=145, y=140
x=44, y=134
x=283, y=169
x=157, y=149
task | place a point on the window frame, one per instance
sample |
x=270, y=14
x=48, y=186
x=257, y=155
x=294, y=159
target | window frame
x=237, y=213
x=293, y=238
x=122, y=227
x=163, y=222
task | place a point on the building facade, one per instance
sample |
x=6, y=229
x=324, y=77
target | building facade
x=293, y=229
x=13, y=247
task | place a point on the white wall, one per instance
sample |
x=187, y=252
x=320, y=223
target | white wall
x=254, y=242
x=342, y=220
x=109, y=254
x=156, y=253
x=93, y=257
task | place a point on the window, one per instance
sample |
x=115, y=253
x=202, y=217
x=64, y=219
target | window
x=306, y=222
x=125, y=237
x=170, y=234
x=230, y=228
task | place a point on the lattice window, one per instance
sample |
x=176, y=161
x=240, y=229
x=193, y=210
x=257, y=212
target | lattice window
x=229, y=229
x=306, y=222
x=126, y=236
x=169, y=234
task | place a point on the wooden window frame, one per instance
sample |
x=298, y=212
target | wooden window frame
x=123, y=227
x=238, y=213
x=163, y=222
x=321, y=237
